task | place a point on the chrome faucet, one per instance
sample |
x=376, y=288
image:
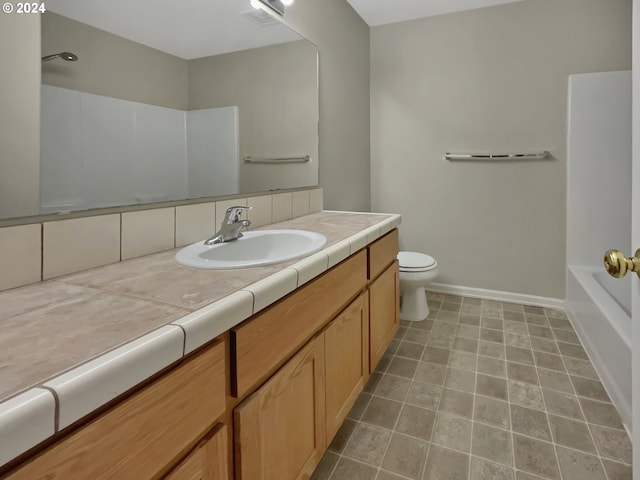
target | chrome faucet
x=231, y=226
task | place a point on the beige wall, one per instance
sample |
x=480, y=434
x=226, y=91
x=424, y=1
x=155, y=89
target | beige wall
x=275, y=89
x=342, y=38
x=20, y=115
x=488, y=80
x=110, y=65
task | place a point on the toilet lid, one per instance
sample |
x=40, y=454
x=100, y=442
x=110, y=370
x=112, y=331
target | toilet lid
x=412, y=261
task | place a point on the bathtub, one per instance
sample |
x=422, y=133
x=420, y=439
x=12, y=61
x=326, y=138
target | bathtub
x=599, y=307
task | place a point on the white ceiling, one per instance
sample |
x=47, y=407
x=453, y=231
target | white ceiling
x=196, y=28
x=185, y=28
x=380, y=12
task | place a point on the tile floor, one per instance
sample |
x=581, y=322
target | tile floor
x=482, y=390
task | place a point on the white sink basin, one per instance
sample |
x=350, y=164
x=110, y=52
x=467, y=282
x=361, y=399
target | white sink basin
x=253, y=249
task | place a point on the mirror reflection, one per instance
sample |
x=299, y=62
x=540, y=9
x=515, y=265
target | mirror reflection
x=183, y=101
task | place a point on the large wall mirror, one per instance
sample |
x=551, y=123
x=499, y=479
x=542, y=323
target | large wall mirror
x=164, y=100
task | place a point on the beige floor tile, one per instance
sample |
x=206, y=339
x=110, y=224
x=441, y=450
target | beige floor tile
x=489, y=349
x=514, y=316
x=465, y=344
x=491, y=387
x=492, y=443
x=484, y=470
x=617, y=471
x=406, y=456
x=446, y=464
x=565, y=336
x=359, y=406
x=425, y=395
x=488, y=335
x=534, y=456
x=539, y=320
x=536, y=331
x=593, y=389
x=367, y=444
x=416, y=421
x=520, y=355
x=544, y=345
x=532, y=423
x=581, y=368
x=452, y=432
x=430, y=373
x=382, y=412
x=463, y=360
x=491, y=366
x=470, y=316
x=393, y=387
x=512, y=307
x=491, y=411
x=410, y=350
x=468, y=331
x=416, y=336
x=347, y=469
x=460, y=380
x=600, y=413
x=549, y=361
x=455, y=402
x=492, y=323
x=342, y=436
x=560, y=324
x=383, y=475
x=436, y=355
x=562, y=404
x=520, y=340
x=372, y=383
x=403, y=367
x=555, y=380
x=522, y=373
x=579, y=465
x=613, y=444
x=515, y=327
x=572, y=350
x=526, y=395
x=572, y=434
x=326, y=466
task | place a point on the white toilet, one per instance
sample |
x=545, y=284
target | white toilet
x=417, y=270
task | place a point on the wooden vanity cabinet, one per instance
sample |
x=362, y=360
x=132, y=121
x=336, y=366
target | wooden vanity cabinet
x=144, y=435
x=346, y=347
x=279, y=431
x=208, y=461
x=384, y=295
x=384, y=319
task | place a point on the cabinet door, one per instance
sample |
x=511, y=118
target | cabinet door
x=280, y=429
x=346, y=356
x=209, y=460
x=384, y=313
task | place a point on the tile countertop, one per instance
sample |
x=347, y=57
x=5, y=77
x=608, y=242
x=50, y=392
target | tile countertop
x=91, y=336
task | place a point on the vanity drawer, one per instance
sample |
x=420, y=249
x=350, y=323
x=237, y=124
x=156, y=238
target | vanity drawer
x=382, y=253
x=264, y=342
x=141, y=436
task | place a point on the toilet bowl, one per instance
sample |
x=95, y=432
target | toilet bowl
x=417, y=270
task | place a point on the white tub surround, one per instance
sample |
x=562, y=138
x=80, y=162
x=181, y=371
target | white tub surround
x=599, y=218
x=604, y=328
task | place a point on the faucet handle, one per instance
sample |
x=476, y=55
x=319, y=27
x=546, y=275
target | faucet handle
x=233, y=213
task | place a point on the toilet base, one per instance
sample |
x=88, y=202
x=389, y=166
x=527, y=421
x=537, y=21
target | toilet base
x=414, y=305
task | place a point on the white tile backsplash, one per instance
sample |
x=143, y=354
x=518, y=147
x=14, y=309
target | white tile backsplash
x=316, y=200
x=300, y=203
x=282, y=207
x=147, y=231
x=261, y=208
x=20, y=255
x=195, y=222
x=79, y=244
x=73, y=245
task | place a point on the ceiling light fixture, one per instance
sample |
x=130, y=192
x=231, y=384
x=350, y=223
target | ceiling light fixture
x=275, y=5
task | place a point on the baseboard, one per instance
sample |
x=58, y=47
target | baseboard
x=511, y=297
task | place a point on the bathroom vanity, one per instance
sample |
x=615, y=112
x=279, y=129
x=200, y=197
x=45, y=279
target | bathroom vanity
x=260, y=400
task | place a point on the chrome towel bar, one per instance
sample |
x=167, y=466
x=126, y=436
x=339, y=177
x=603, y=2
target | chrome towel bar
x=501, y=156
x=304, y=159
